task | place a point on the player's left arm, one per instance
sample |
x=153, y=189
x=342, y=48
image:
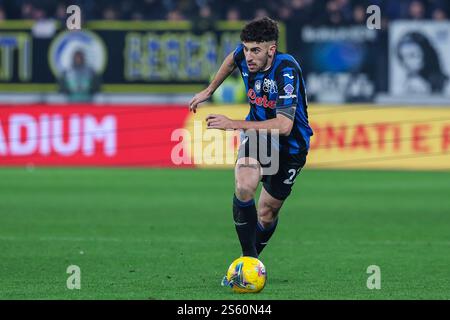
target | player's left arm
x=288, y=85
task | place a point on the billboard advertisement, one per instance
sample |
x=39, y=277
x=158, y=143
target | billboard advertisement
x=419, y=60
x=128, y=56
x=82, y=135
x=344, y=137
x=385, y=137
x=338, y=62
x=355, y=136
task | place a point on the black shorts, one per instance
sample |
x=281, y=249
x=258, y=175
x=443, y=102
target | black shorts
x=278, y=183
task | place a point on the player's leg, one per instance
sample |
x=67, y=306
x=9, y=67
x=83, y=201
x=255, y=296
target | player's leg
x=268, y=209
x=276, y=188
x=247, y=177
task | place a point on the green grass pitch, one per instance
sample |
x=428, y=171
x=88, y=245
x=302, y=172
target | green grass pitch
x=168, y=234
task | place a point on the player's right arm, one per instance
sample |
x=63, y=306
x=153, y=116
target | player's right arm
x=225, y=70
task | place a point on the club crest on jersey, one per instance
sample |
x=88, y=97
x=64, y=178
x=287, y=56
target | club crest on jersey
x=270, y=86
x=258, y=86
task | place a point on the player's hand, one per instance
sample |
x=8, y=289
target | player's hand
x=199, y=98
x=218, y=121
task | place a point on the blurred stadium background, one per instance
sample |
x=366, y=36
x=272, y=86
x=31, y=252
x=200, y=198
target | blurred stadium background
x=89, y=124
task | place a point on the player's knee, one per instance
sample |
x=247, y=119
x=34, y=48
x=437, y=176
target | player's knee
x=244, y=190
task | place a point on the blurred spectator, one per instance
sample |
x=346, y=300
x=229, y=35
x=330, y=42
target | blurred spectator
x=439, y=14
x=27, y=10
x=38, y=14
x=334, y=14
x=299, y=12
x=175, y=15
x=80, y=82
x=359, y=14
x=110, y=14
x=284, y=13
x=416, y=10
x=60, y=13
x=205, y=21
x=233, y=14
x=2, y=14
x=261, y=13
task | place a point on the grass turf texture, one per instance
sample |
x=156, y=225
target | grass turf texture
x=168, y=234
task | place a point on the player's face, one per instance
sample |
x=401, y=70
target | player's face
x=257, y=55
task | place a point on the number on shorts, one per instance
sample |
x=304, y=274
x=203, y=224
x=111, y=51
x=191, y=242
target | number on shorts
x=291, y=178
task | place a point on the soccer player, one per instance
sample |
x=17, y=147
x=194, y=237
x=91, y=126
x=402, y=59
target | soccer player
x=278, y=105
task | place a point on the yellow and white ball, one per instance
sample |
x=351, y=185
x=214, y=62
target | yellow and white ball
x=247, y=275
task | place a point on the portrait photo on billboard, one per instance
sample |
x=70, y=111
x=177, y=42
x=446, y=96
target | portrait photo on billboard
x=418, y=59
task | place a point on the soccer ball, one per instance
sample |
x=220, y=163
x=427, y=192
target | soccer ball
x=246, y=275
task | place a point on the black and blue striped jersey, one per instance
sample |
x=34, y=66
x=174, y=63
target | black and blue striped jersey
x=280, y=86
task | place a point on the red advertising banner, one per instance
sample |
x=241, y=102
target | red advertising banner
x=169, y=136
x=86, y=135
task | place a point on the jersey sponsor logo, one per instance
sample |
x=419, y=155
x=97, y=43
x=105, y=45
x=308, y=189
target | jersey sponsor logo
x=260, y=101
x=288, y=75
x=244, y=74
x=270, y=86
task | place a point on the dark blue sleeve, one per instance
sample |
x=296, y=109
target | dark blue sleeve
x=288, y=87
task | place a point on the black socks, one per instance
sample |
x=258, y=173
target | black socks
x=263, y=235
x=245, y=220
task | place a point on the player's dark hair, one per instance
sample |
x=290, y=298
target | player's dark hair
x=260, y=30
